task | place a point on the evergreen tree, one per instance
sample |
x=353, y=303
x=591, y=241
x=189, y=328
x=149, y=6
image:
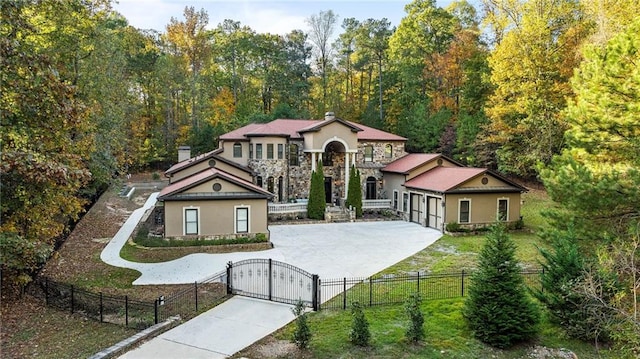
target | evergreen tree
x=415, y=330
x=360, y=334
x=316, y=205
x=302, y=333
x=498, y=308
x=563, y=271
x=354, y=197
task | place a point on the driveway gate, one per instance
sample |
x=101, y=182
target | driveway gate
x=272, y=280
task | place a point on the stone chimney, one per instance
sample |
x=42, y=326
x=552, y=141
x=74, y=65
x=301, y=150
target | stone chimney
x=329, y=116
x=184, y=153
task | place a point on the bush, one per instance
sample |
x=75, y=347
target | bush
x=360, y=334
x=354, y=197
x=316, y=204
x=498, y=309
x=155, y=176
x=454, y=227
x=415, y=330
x=302, y=332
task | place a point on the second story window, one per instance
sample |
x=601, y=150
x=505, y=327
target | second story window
x=251, y=151
x=368, y=153
x=293, y=155
x=258, y=151
x=269, y=151
x=237, y=150
x=388, y=151
x=280, y=151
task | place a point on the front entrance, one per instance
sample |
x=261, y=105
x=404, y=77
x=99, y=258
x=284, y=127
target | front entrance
x=416, y=213
x=272, y=280
x=327, y=189
x=371, y=188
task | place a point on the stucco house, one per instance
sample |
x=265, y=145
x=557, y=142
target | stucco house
x=433, y=190
x=272, y=163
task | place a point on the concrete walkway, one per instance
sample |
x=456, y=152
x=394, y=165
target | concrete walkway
x=332, y=250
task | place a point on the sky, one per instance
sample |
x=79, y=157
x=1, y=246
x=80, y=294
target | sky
x=263, y=16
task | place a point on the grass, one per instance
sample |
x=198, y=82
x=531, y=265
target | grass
x=446, y=336
x=446, y=333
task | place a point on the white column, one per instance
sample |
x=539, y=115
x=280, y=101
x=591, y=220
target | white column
x=313, y=161
x=347, y=168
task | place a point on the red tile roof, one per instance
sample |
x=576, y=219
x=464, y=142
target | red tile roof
x=188, y=162
x=405, y=164
x=293, y=128
x=203, y=176
x=443, y=179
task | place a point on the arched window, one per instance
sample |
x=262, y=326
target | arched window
x=270, y=184
x=259, y=181
x=371, y=188
x=388, y=151
x=237, y=150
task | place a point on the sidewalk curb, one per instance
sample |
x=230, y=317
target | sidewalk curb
x=127, y=344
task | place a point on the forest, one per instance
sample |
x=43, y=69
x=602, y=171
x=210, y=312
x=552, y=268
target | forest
x=543, y=90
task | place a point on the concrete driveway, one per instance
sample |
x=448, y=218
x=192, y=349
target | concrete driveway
x=332, y=250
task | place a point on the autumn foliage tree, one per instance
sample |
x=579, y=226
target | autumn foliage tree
x=45, y=140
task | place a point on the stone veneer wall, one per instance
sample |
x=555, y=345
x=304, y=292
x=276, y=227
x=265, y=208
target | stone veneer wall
x=297, y=179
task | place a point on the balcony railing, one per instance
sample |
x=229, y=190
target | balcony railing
x=376, y=203
x=287, y=207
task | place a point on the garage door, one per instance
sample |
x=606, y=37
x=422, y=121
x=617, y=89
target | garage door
x=434, y=212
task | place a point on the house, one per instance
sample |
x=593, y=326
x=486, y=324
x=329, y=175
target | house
x=433, y=190
x=215, y=193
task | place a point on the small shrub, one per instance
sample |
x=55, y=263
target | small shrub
x=415, y=330
x=155, y=176
x=360, y=334
x=453, y=227
x=302, y=332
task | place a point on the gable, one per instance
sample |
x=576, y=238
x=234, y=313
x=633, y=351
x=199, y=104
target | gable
x=212, y=183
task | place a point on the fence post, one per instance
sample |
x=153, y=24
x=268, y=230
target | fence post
x=344, y=293
x=71, y=299
x=314, y=298
x=270, y=279
x=126, y=311
x=370, y=291
x=196, y=287
x=155, y=311
x=100, y=307
x=229, y=283
x=462, y=283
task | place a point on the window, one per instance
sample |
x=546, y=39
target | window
x=405, y=201
x=327, y=158
x=388, y=151
x=280, y=151
x=293, y=155
x=270, y=184
x=190, y=221
x=258, y=151
x=251, y=151
x=242, y=219
x=259, y=181
x=368, y=153
x=269, y=151
x=465, y=211
x=370, y=192
x=395, y=199
x=237, y=150
x=503, y=209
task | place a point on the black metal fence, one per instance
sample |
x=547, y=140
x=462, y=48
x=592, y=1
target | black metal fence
x=126, y=311
x=393, y=289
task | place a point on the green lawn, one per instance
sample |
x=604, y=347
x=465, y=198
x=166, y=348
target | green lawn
x=446, y=331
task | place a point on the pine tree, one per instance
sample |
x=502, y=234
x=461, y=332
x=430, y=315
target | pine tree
x=302, y=333
x=316, y=205
x=498, y=309
x=354, y=197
